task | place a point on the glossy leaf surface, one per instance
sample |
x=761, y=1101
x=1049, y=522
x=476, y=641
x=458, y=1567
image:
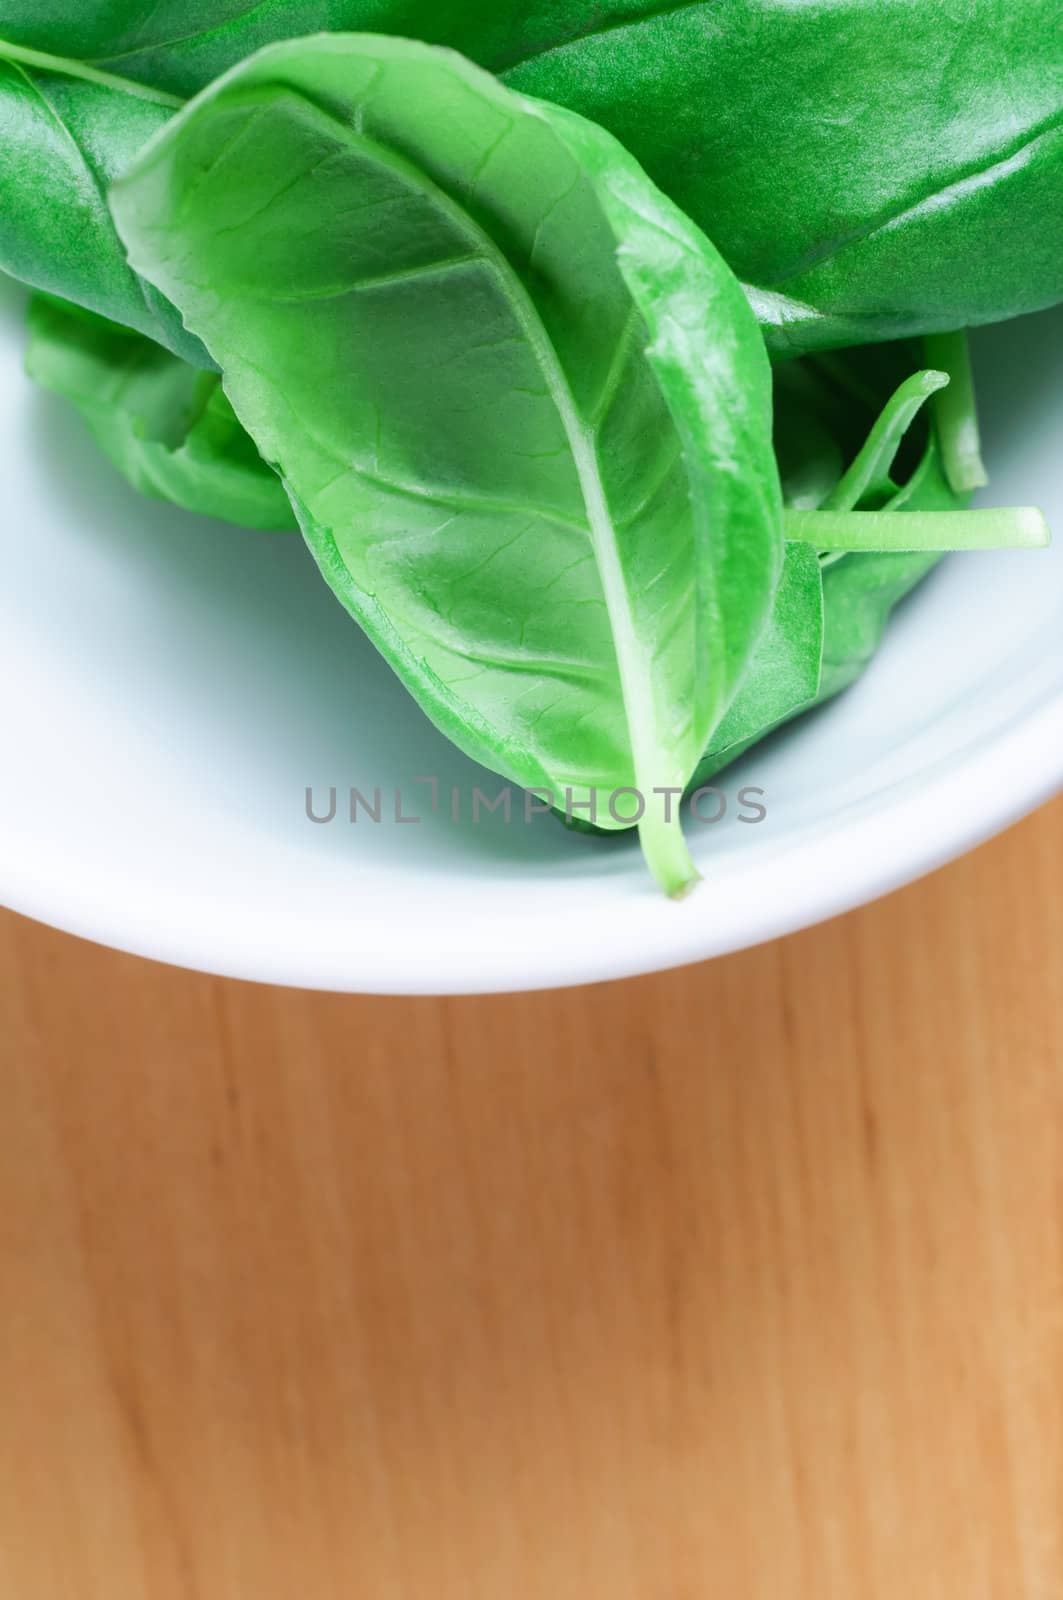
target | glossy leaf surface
x=874, y=167
x=521, y=403
x=63, y=139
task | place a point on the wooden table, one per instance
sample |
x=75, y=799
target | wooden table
x=742, y=1283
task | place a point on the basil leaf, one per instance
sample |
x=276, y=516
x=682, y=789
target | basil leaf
x=182, y=45
x=877, y=167
x=63, y=138
x=785, y=672
x=860, y=592
x=521, y=405
x=871, y=168
x=165, y=425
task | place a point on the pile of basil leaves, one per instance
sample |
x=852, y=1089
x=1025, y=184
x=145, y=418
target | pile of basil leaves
x=609, y=355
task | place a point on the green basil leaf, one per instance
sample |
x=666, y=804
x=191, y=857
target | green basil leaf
x=875, y=167
x=871, y=168
x=63, y=138
x=860, y=592
x=786, y=669
x=165, y=425
x=521, y=404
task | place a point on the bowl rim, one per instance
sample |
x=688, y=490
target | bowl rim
x=897, y=834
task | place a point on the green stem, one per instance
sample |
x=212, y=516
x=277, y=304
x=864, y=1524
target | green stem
x=871, y=469
x=956, y=412
x=68, y=68
x=667, y=855
x=1020, y=528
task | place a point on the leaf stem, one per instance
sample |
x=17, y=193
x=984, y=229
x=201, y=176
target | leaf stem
x=668, y=856
x=955, y=412
x=871, y=469
x=1020, y=528
x=68, y=68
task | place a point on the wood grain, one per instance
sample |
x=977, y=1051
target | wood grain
x=743, y=1283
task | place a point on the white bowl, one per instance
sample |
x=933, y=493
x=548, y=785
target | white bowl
x=170, y=686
